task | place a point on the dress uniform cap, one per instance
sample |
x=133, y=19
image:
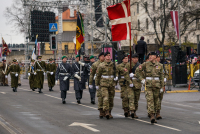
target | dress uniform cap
x=102, y=53
x=50, y=59
x=32, y=60
x=91, y=57
x=39, y=57
x=64, y=57
x=14, y=60
x=106, y=53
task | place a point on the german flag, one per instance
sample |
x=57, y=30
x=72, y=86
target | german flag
x=79, y=32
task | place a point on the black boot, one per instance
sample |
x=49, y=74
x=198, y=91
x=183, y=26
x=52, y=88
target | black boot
x=19, y=84
x=50, y=89
x=39, y=90
x=13, y=89
x=63, y=101
x=33, y=89
x=92, y=101
x=78, y=101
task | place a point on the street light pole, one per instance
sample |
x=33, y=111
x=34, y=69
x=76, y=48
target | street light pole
x=179, y=23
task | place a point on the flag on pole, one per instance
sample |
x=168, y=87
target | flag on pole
x=174, y=16
x=119, y=44
x=38, y=46
x=1, y=52
x=120, y=18
x=5, y=50
x=79, y=32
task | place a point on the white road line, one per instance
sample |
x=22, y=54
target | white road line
x=154, y=123
x=52, y=96
x=85, y=106
x=2, y=92
x=87, y=126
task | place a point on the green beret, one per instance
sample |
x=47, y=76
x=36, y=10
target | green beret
x=64, y=57
x=91, y=57
x=77, y=55
x=50, y=59
x=14, y=60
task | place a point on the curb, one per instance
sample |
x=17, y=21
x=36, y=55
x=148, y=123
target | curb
x=175, y=91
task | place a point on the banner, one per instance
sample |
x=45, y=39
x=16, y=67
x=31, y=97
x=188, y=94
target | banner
x=5, y=50
x=79, y=32
x=174, y=16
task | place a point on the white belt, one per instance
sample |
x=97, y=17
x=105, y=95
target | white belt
x=14, y=72
x=79, y=72
x=63, y=73
x=152, y=78
x=107, y=77
x=94, y=77
x=134, y=78
x=122, y=77
x=39, y=70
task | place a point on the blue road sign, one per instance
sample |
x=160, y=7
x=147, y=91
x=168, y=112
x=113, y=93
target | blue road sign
x=53, y=27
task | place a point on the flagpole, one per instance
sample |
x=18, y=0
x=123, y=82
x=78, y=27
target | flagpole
x=129, y=10
x=179, y=23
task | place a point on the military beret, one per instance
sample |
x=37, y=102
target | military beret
x=64, y=57
x=158, y=55
x=91, y=57
x=50, y=59
x=135, y=56
x=14, y=60
x=39, y=57
x=147, y=57
x=152, y=53
x=77, y=55
x=125, y=55
x=102, y=53
x=106, y=53
x=32, y=60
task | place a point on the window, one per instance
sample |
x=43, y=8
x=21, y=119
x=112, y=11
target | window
x=139, y=24
x=66, y=49
x=137, y=7
x=154, y=5
x=147, y=23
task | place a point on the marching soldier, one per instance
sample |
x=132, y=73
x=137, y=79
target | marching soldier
x=105, y=80
x=19, y=77
x=40, y=67
x=136, y=82
x=14, y=71
x=79, y=82
x=5, y=69
x=51, y=69
x=32, y=75
x=153, y=80
x=63, y=73
x=93, y=70
x=127, y=94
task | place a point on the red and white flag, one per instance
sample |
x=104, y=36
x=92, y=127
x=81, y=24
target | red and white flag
x=38, y=46
x=119, y=44
x=120, y=18
x=1, y=52
x=174, y=16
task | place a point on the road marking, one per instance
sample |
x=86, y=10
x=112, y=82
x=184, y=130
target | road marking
x=52, y=96
x=199, y=122
x=2, y=92
x=87, y=126
x=85, y=106
x=154, y=123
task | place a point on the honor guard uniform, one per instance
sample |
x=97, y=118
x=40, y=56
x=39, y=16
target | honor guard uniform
x=93, y=70
x=19, y=77
x=105, y=80
x=151, y=75
x=5, y=69
x=126, y=83
x=79, y=81
x=136, y=82
x=14, y=71
x=1, y=73
x=32, y=75
x=51, y=70
x=63, y=73
x=40, y=67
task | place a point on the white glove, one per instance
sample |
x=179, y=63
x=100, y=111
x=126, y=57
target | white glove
x=16, y=75
x=143, y=81
x=35, y=73
x=65, y=78
x=81, y=63
x=90, y=86
x=56, y=82
x=97, y=87
x=165, y=79
x=131, y=75
x=29, y=74
x=116, y=87
x=78, y=77
x=116, y=78
x=44, y=73
x=161, y=90
x=51, y=73
x=131, y=85
x=6, y=76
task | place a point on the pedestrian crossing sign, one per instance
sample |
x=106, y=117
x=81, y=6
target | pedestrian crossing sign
x=53, y=27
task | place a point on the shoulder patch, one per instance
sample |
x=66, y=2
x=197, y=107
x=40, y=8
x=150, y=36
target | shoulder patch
x=125, y=70
x=140, y=67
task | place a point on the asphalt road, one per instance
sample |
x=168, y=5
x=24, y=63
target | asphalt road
x=27, y=112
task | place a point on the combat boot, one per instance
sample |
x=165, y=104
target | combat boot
x=158, y=115
x=39, y=91
x=149, y=115
x=33, y=89
x=63, y=101
x=13, y=89
x=132, y=114
x=101, y=113
x=78, y=101
x=135, y=116
x=107, y=114
x=152, y=118
x=110, y=115
x=129, y=115
x=19, y=84
x=126, y=112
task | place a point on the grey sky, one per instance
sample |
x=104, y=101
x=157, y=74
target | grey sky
x=8, y=31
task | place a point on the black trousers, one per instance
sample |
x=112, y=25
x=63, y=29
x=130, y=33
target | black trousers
x=92, y=94
x=141, y=58
x=63, y=94
x=78, y=94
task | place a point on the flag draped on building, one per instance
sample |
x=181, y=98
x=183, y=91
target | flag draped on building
x=5, y=50
x=79, y=32
x=120, y=18
x=174, y=16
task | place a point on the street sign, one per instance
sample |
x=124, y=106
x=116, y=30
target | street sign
x=53, y=27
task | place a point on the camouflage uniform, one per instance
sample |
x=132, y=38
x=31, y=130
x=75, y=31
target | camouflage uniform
x=5, y=69
x=40, y=68
x=153, y=73
x=1, y=73
x=32, y=78
x=14, y=69
x=105, y=80
x=51, y=67
x=126, y=92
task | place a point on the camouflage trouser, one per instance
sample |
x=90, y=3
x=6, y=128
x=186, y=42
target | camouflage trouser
x=19, y=79
x=131, y=98
x=127, y=95
x=108, y=94
x=152, y=95
x=137, y=97
x=160, y=100
x=1, y=77
x=100, y=99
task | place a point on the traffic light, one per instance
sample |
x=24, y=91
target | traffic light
x=53, y=42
